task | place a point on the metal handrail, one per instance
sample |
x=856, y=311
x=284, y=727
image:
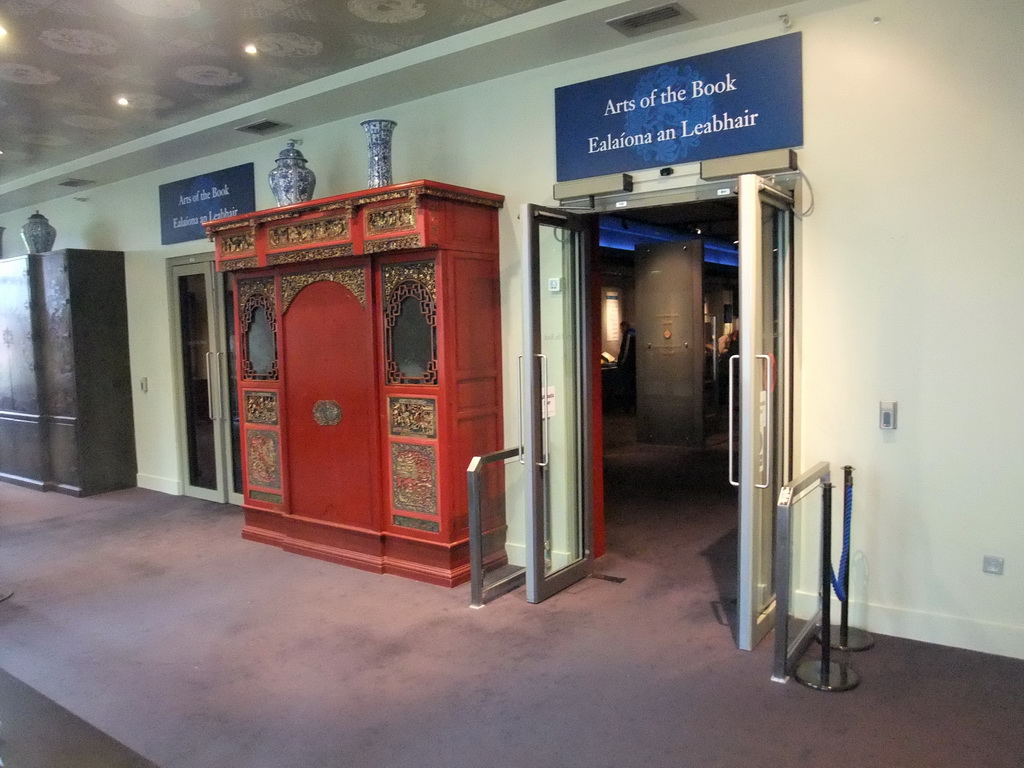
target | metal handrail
x=788, y=651
x=515, y=577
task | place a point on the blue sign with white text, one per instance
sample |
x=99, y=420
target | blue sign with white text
x=729, y=102
x=187, y=204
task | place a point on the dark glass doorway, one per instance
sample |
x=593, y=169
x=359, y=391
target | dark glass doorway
x=208, y=417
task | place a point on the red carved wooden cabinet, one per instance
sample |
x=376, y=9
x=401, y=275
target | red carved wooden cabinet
x=369, y=370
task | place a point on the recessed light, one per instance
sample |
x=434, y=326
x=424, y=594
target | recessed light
x=2, y=31
x=251, y=49
x=122, y=100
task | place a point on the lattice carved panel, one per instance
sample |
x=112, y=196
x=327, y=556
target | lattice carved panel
x=255, y=295
x=414, y=281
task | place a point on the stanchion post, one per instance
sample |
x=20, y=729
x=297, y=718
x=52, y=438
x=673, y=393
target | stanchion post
x=826, y=586
x=849, y=639
x=826, y=675
x=844, y=607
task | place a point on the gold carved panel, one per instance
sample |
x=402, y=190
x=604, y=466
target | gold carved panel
x=353, y=278
x=412, y=417
x=414, y=478
x=380, y=221
x=306, y=232
x=247, y=262
x=309, y=254
x=422, y=272
x=238, y=243
x=261, y=407
x=396, y=194
x=431, y=526
x=393, y=244
x=264, y=454
x=269, y=498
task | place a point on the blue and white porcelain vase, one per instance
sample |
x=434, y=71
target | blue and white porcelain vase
x=38, y=234
x=291, y=181
x=378, y=146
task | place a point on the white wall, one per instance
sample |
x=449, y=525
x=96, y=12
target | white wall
x=911, y=276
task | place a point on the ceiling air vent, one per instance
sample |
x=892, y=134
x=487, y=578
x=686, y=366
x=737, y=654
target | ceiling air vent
x=651, y=20
x=73, y=183
x=263, y=127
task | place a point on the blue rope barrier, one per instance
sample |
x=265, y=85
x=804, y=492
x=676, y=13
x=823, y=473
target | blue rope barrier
x=839, y=582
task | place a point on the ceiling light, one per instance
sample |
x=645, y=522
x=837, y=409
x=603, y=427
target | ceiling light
x=251, y=49
x=122, y=100
x=2, y=31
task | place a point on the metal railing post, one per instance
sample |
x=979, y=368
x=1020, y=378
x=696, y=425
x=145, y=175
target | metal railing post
x=479, y=592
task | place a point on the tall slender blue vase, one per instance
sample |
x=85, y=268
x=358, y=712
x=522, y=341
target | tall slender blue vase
x=291, y=181
x=378, y=147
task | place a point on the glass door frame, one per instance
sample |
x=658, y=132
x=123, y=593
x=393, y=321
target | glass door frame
x=536, y=420
x=218, y=360
x=765, y=449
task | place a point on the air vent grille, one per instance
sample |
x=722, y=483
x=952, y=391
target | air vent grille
x=651, y=20
x=263, y=127
x=75, y=183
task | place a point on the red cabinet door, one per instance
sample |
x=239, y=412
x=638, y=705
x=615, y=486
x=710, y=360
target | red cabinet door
x=330, y=401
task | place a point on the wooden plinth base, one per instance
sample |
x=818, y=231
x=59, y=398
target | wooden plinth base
x=446, y=565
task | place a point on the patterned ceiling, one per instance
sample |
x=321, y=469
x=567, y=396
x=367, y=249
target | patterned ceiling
x=64, y=63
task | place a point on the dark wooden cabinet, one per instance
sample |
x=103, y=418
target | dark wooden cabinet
x=369, y=372
x=66, y=419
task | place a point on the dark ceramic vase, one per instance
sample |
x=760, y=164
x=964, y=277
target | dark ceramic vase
x=38, y=234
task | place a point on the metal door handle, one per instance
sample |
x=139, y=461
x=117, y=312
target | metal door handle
x=220, y=390
x=209, y=388
x=732, y=389
x=714, y=349
x=544, y=426
x=768, y=426
x=522, y=449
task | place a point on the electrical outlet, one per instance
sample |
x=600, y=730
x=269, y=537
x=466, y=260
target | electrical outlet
x=992, y=564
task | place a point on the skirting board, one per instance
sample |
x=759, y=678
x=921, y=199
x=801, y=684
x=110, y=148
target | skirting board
x=939, y=629
x=161, y=484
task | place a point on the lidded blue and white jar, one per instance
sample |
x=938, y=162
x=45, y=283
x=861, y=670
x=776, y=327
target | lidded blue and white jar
x=291, y=181
x=38, y=234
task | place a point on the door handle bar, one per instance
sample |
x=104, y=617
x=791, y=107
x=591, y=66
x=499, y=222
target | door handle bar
x=732, y=391
x=220, y=389
x=209, y=387
x=768, y=426
x=544, y=421
x=714, y=350
x=522, y=451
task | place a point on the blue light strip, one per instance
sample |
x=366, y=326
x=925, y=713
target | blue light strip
x=626, y=236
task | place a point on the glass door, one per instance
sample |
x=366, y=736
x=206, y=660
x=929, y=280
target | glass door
x=205, y=363
x=556, y=390
x=760, y=386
